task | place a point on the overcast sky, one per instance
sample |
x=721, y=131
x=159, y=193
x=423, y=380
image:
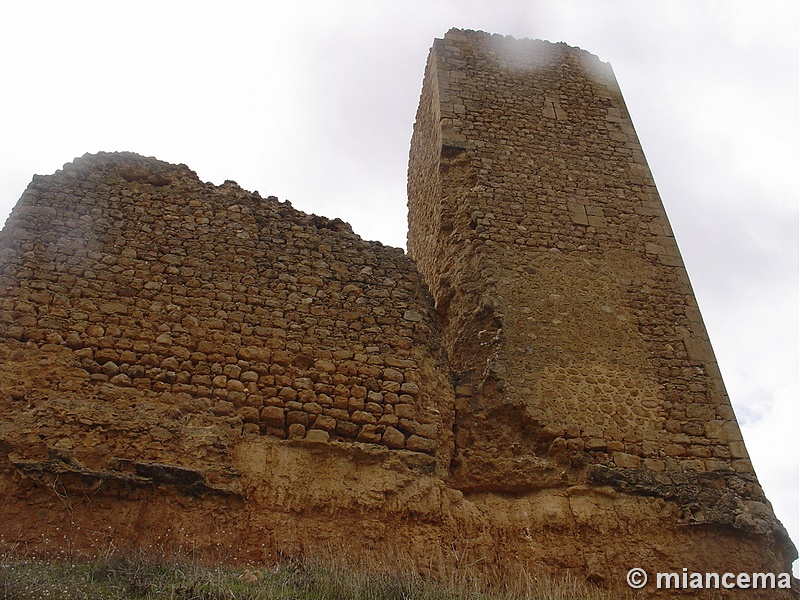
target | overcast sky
x=314, y=102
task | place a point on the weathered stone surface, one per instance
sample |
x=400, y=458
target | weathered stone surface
x=392, y=438
x=187, y=362
x=568, y=317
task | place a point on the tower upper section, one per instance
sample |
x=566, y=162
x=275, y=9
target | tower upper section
x=567, y=313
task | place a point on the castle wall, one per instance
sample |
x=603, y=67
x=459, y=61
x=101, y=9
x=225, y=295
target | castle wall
x=193, y=368
x=217, y=303
x=157, y=333
x=580, y=353
x=576, y=297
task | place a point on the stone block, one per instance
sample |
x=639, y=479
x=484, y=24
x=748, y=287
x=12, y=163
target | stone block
x=316, y=435
x=325, y=422
x=297, y=416
x=595, y=444
x=287, y=393
x=392, y=375
x=361, y=417
x=653, y=464
x=374, y=408
x=626, y=461
x=738, y=450
x=369, y=433
x=392, y=438
x=405, y=411
x=297, y=431
x=421, y=444
x=410, y=388
x=249, y=414
x=273, y=416
x=347, y=429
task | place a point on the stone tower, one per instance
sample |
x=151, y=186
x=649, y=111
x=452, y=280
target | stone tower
x=192, y=366
x=579, y=355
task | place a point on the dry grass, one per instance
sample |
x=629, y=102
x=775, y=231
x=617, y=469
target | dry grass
x=118, y=576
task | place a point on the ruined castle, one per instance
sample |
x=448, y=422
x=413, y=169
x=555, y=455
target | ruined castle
x=194, y=367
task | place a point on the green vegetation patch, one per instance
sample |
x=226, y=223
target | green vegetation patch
x=131, y=577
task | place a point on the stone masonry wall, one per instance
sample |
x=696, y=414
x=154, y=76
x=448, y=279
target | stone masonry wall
x=567, y=312
x=210, y=305
x=191, y=367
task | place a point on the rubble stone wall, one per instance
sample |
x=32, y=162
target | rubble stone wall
x=578, y=350
x=192, y=366
x=553, y=265
x=218, y=303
